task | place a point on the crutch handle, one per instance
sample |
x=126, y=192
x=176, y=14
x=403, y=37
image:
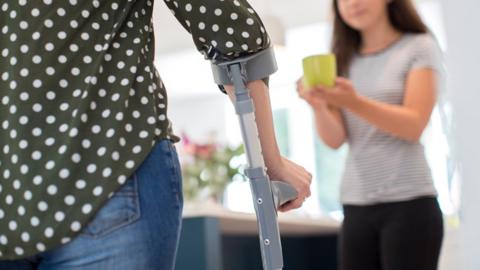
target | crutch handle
x=283, y=193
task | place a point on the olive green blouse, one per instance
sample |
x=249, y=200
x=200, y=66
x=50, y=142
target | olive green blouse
x=82, y=105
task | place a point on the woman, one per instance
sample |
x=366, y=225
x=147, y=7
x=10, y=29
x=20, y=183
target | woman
x=389, y=65
x=89, y=176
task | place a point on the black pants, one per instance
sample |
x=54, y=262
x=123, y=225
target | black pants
x=392, y=236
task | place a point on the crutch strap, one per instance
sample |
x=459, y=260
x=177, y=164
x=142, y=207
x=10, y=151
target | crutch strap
x=253, y=67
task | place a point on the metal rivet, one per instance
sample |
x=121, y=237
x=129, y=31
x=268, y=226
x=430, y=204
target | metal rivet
x=267, y=242
x=259, y=201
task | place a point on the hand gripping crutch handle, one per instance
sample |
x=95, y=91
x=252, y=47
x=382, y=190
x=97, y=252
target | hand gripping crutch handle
x=282, y=193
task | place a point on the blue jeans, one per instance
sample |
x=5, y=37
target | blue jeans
x=137, y=229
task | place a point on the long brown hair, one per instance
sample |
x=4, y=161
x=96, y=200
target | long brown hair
x=346, y=41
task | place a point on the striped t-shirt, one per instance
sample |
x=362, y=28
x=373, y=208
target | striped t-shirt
x=379, y=166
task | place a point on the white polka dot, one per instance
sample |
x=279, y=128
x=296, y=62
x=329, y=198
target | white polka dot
x=21, y=210
x=34, y=221
x=12, y=225
x=64, y=173
x=86, y=143
x=87, y=59
x=76, y=158
x=61, y=12
x=69, y=200
x=3, y=240
x=121, y=179
x=19, y=250
x=50, y=165
x=59, y=216
x=97, y=191
x=63, y=83
x=42, y=206
x=50, y=71
x=62, y=35
x=24, y=72
x=137, y=149
x=16, y=184
x=25, y=237
x=75, y=226
x=62, y=59
x=27, y=195
x=23, y=25
x=37, y=180
x=73, y=47
x=91, y=168
x=36, y=59
x=49, y=232
x=35, y=12
x=40, y=247
x=130, y=164
x=52, y=189
x=50, y=141
x=24, y=48
x=49, y=47
x=87, y=208
x=65, y=240
x=9, y=199
x=106, y=172
x=80, y=184
x=48, y=23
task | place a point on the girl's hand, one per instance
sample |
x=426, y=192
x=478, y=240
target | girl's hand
x=310, y=96
x=296, y=176
x=343, y=94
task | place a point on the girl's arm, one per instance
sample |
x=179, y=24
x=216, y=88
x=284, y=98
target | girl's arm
x=406, y=121
x=328, y=119
x=329, y=125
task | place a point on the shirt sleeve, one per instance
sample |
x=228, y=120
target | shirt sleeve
x=222, y=30
x=427, y=54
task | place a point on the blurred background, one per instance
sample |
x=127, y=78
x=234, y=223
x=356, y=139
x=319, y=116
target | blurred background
x=211, y=137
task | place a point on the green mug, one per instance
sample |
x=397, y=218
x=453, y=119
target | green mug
x=319, y=70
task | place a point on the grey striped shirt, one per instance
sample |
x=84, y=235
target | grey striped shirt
x=379, y=166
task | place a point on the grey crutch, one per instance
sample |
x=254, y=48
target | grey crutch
x=267, y=195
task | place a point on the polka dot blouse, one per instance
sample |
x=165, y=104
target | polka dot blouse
x=82, y=105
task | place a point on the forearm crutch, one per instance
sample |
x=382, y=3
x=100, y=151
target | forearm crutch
x=267, y=195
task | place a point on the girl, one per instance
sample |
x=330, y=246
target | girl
x=389, y=65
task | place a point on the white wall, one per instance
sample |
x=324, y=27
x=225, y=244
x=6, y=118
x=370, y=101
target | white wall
x=463, y=59
x=198, y=116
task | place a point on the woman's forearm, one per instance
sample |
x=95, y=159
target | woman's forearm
x=399, y=121
x=329, y=126
x=263, y=115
